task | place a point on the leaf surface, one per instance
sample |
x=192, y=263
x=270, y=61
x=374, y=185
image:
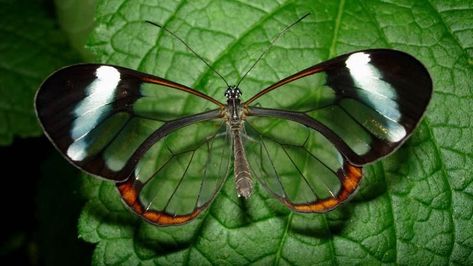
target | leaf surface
x=414, y=207
x=32, y=47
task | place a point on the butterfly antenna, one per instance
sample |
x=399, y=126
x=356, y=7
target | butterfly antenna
x=190, y=49
x=271, y=46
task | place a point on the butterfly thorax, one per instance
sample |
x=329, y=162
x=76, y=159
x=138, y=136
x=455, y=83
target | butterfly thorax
x=233, y=115
x=233, y=111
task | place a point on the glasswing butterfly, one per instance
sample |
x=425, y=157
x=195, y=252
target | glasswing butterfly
x=169, y=147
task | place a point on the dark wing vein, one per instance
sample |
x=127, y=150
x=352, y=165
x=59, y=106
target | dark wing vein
x=180, y=181
x=272, y=166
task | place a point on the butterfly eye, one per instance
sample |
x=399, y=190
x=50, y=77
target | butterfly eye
x=238, y=93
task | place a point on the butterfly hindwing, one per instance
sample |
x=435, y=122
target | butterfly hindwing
x=180, y=174
x=298, y=165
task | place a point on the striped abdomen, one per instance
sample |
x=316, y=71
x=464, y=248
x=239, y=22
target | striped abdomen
x=243, y=182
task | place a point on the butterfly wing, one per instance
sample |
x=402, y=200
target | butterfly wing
x=339, y=115
x=141, y=131
x=367, y=103
x=192, y=165
x=102, y=118
x=298, y=165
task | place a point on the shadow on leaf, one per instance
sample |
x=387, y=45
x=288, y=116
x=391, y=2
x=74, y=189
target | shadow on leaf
x=322, y=226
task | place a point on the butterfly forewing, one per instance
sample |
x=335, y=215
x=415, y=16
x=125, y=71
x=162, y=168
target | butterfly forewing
x=102, y=118
x=367, y=103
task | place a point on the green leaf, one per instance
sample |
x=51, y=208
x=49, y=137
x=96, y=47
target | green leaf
x=31, y=48
x=76, y=18
x=414, y=207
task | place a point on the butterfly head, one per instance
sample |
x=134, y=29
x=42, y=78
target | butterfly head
x=233, y=93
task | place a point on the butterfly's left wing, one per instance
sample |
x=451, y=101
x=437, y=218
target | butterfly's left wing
x=163, y=143
x=180, y=175
x=102, y=118
x=310, y=133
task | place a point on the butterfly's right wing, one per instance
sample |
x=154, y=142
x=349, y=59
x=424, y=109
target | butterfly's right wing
x=310, y=133
x=297, y=164
x=367, y=102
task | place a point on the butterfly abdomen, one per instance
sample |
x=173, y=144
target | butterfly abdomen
x=243, y=181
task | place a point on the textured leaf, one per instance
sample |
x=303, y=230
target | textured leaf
x=31, y=48
x=414, y=207
x=76, y=18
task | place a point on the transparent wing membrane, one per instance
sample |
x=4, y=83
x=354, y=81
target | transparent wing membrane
x=167, y=147
x=298, y=165
x=309, y=133
x=181, y=174
x=102, y=118
x=367, y=103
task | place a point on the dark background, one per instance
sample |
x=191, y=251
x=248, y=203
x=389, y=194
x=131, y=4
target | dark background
x=40, y=212
x=40, y=191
